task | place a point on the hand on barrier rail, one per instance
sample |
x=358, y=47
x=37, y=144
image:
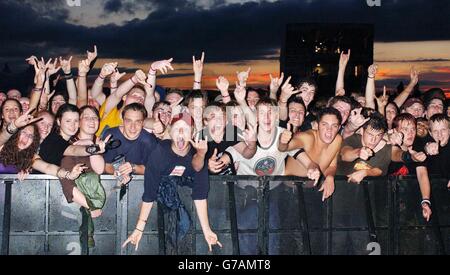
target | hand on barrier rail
x=313, y=173
x=357, y=176
x=327, y=188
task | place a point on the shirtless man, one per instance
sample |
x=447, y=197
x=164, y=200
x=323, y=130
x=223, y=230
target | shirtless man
x=322, y=146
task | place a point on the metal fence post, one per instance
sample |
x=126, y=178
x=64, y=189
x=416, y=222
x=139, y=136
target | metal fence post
x=7, y=217
x=263, y=212
x=303, y=218
x=233, y=218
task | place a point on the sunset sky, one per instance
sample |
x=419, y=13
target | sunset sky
x=234, y=34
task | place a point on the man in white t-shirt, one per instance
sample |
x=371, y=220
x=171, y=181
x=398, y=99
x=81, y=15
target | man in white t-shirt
x=267, y=161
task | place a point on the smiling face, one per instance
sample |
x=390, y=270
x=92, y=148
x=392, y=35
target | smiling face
x=296, y=114
x=45, y=125
x=25, y=102
x=180, y=133
x=26, y=137
x=416, y=110
x=252, y=99
x=133, y=122
x=69, y=123
x=89, y=122
x=328, y=128
x=11, y=111
x=307, y=93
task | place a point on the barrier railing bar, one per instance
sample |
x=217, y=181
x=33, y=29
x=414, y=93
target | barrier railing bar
x=369, y=213
x=303, y=219
x=7, y=217
x=329, y=207
x=233, y=218
x=46, y=217
x=435, y=223
x=161, y=229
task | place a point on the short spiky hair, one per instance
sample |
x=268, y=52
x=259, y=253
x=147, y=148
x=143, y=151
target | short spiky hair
x=403, y=117
x=376, y=122
x=135, y=107
x=329, y=111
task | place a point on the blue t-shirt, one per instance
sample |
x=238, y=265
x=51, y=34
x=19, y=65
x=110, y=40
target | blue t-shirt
x=164, y=162
x=135, y=151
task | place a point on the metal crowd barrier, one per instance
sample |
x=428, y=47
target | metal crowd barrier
x=251, y=215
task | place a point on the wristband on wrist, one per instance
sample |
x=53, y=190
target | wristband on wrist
x=198, y=82
x=427, y=201
x=142, y=231
x=11, y=128
x=132, y=80
x=101, y=76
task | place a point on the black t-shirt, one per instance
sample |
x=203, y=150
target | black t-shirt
x=307, y=123
x=52, y=148
x=230, y=138
x=440, y=163
x=135, y=151
x=164, y=162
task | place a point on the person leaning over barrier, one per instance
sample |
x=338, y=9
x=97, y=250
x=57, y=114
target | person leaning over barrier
x=406, y=161
x=172, y=164
x=366, y=155
x=19, y=142
x=136, y=144
x=437, y=147
x=321, y=146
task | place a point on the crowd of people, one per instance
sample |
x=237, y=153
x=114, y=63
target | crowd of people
x=75, y=132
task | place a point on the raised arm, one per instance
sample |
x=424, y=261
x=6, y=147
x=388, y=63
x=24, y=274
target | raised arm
x=242, y=77
x=97, y=89
x=123, y=89
x=247, y=148
x=197, y=66
x=150, y=85
x=370, y=86
x=222, y=85
x=287, y=90
x=343, y=61
x=275, y=83
x=240, y=94
x=403, y=96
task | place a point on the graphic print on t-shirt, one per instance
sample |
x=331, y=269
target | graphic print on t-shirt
x=265, y=166
x=178, y=171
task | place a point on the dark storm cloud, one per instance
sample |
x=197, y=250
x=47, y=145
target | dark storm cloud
x=113, y=5
x=228, y=33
